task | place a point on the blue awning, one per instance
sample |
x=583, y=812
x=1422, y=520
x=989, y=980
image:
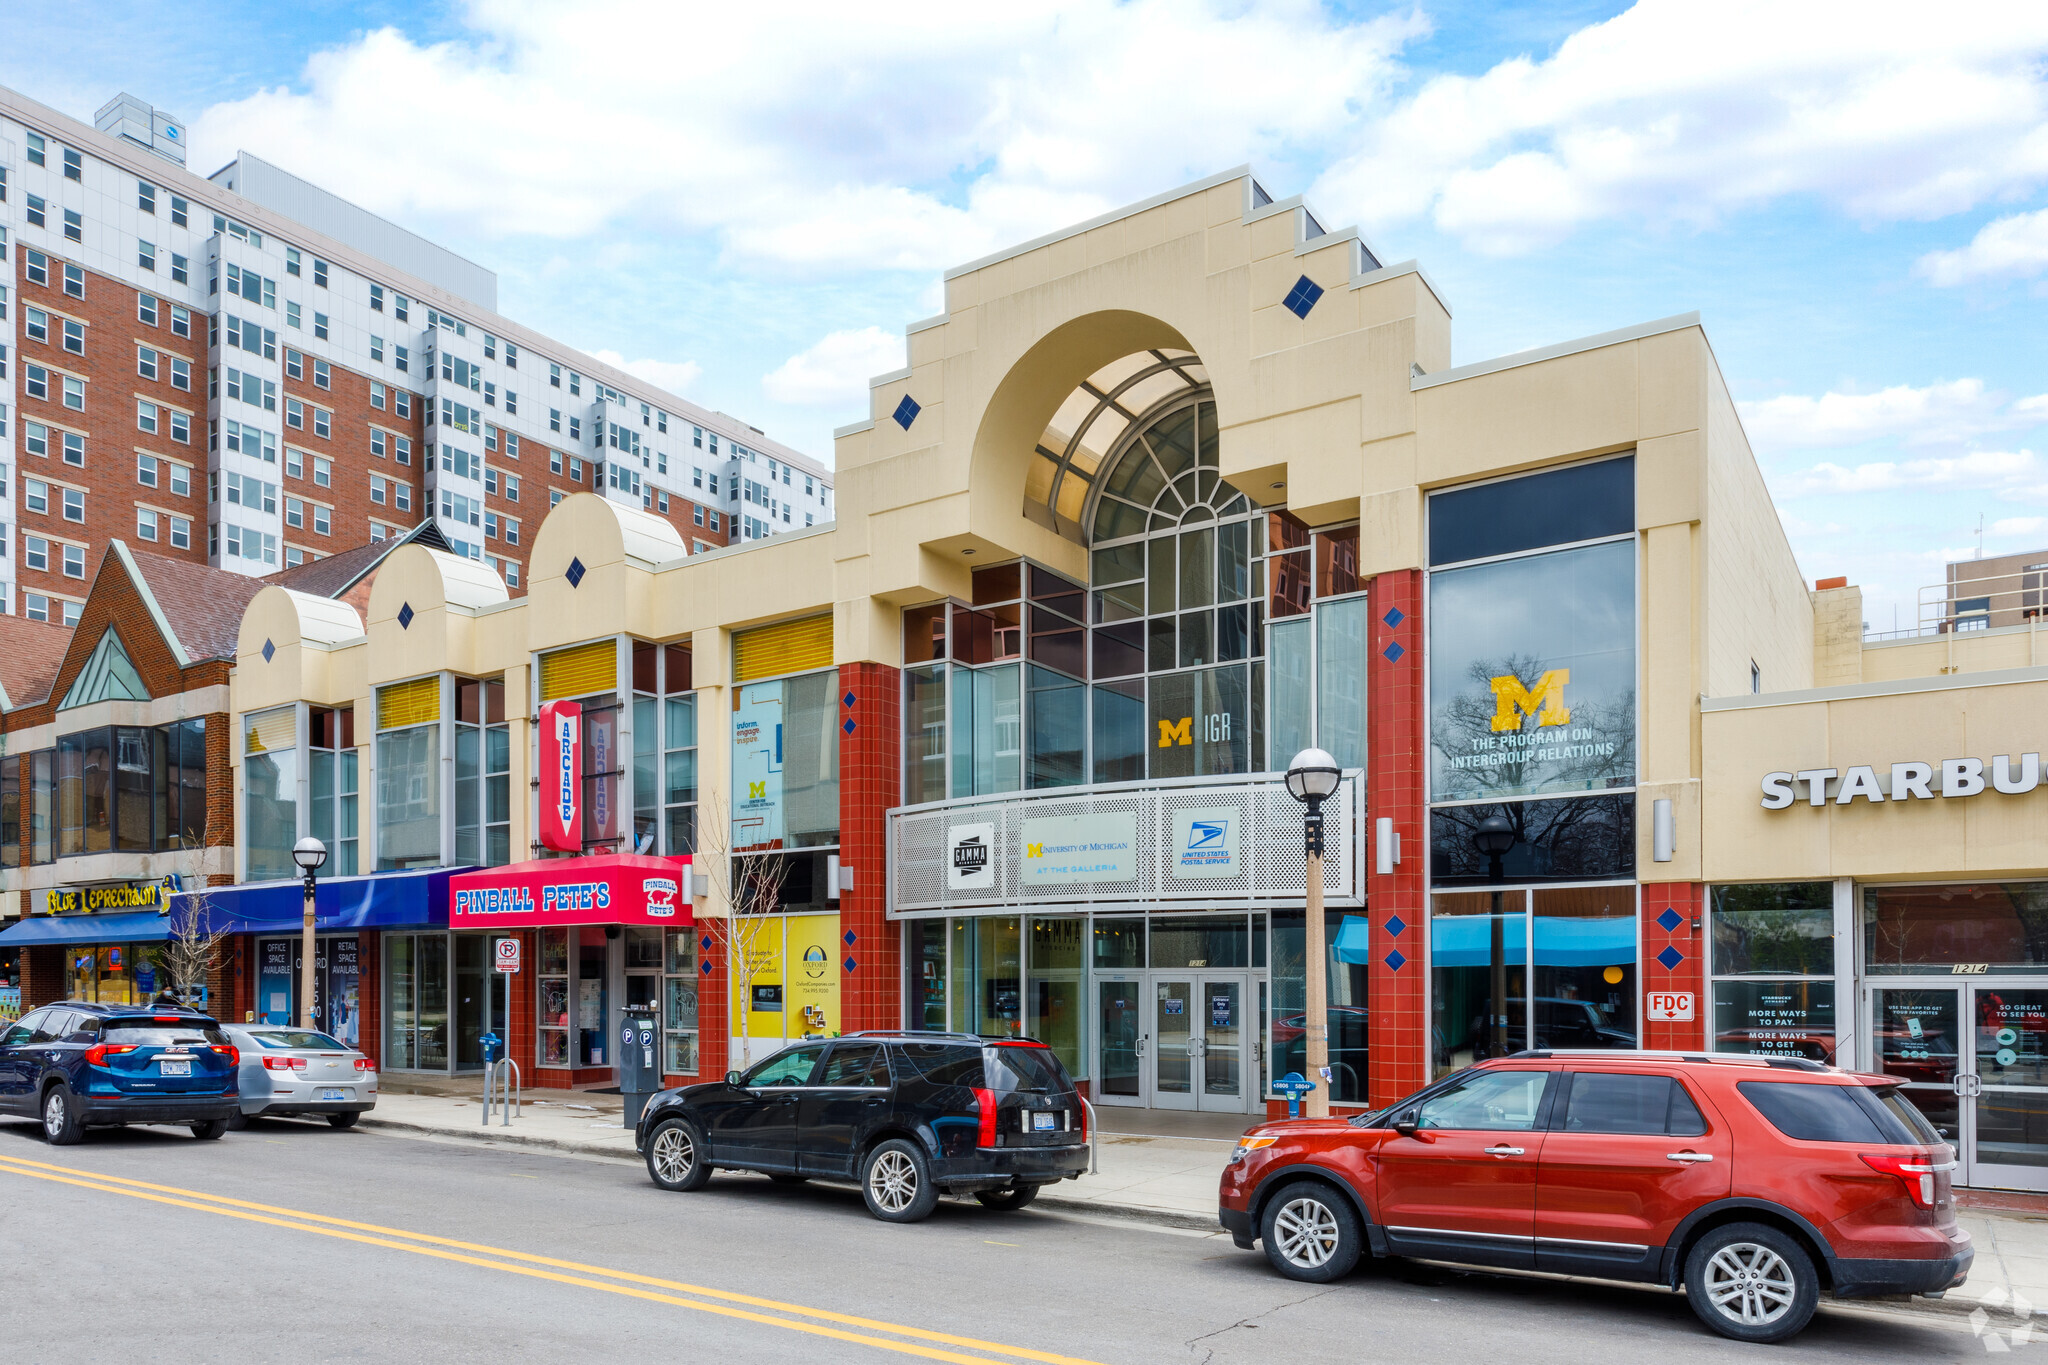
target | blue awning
x=129, y=926
x=1354, y=942
x=375, y=900
x=1467, y=941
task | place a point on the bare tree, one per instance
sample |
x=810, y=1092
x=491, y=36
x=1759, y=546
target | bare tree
x=745, y=896
x=192, y=946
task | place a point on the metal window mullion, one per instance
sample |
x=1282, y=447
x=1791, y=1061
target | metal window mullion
x=445, y=727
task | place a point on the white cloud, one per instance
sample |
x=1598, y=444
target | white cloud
x=835, y=371
x=1946, y=413
x=816, y=136
x=2016, y=246
x=1681, y=113
x=2018, y=526
x=2000, y=471
x=674, y=375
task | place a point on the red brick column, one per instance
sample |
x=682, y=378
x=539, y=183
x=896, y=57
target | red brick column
x=522, y=1027
x=1674, y=958
x=43, y=978
x=714, y=1014
x=1396, y=786
x=870, y=782
x=370, y=995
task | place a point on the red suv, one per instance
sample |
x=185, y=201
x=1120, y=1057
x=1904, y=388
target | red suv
x=1754, y=1182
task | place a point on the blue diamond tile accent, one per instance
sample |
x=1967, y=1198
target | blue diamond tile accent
x=906, y=412
x=1302, y=297
x=849, y=936
x=704, y=967
x=575, y=573
x=1396, y=925
x=1393, y=617
x=1394, y=652
x=1669, y=920
x=269, y=651
x=1395, y=960
x=848, y=699
x=850, y=963
x=1671, y=957
x=405, y=615
x=705, y=943
x=849, y=726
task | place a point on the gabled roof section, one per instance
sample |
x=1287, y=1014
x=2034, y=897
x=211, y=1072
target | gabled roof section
x=31, y=652
x=109, y=675
x=336, y=574
x=198, y=609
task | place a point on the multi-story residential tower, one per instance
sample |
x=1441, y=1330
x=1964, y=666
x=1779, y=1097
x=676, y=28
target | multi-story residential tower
x=247, y=371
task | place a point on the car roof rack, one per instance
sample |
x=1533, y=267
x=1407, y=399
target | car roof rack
x=1653, y=1055
x=913, y=1033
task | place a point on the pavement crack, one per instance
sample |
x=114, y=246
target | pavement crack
x=1209, y=1351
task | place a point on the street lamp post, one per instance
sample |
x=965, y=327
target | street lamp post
x=1311, y=779
x=309, y=853
x=1494, y=837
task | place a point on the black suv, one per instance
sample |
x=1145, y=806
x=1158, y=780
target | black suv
x=78, y=1064
x=907, y=1115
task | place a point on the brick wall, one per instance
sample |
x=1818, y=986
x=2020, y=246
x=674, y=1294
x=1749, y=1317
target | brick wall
x=348, y=448
x=370, y=985
x=1667, y=915
x=43, y=978
x=870, y=782
x=1397, y=786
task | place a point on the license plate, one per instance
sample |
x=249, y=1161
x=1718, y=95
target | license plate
x=166, y=1067
x=333, y=1095
x=1043, y=1123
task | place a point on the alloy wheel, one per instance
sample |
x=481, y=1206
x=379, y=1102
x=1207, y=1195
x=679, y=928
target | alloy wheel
x=1750, y=1283
x=674, y=1153
x=892, y=1180
x=1307, y=1232
x=53, y=1113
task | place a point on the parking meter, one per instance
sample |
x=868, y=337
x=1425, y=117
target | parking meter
x=490, y=1042
x=639, y=1062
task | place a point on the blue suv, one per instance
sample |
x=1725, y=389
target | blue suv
x=76, y=1065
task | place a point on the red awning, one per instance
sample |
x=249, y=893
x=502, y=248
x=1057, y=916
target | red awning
x=607, y=888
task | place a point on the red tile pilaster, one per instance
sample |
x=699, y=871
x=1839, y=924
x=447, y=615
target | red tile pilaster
x=1395, y=786
x=870, y=782
x=1681, y=904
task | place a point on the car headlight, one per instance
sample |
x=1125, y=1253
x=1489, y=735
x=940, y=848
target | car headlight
x=1249, y=1144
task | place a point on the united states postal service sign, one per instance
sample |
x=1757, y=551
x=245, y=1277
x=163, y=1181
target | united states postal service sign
x=1205, y=844
x=561, y=776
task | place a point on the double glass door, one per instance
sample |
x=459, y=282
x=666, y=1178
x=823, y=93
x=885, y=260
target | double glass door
x=1974, y=1060
x=1179, y=1040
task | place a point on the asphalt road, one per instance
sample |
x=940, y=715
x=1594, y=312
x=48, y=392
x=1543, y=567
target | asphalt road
x=294, y=1242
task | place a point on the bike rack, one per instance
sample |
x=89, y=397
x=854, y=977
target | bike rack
x=1094, y=1129
x=504, y=1089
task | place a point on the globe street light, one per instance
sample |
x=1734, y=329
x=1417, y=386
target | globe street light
x=1494, y=837
x=309, y=853
x=1312, y=779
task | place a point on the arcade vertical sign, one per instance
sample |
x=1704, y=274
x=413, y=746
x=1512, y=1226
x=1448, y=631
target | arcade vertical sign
x=561, y=783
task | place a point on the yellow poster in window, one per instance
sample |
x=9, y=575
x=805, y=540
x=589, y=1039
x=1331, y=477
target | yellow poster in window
x=812, y=971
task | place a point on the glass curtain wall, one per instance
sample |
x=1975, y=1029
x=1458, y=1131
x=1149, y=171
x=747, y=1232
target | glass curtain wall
x=270, y=792
x=1773, y=969
x=416, y=1002
x=409, y=775
x=331, y=786
x=123, y=789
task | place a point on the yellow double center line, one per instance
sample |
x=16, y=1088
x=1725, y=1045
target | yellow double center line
x=914, y=1341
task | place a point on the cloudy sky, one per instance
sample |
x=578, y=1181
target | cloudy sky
x=746, y=203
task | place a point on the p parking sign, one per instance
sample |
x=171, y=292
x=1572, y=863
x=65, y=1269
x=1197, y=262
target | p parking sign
x=505, y=951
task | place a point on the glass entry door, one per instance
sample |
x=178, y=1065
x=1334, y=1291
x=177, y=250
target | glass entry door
x=1179, y=1040
x=1228, y=1033
x=1177, y=1043
x=1974, y=1059
x=1119, y=1040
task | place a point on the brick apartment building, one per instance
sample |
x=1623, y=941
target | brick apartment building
x=247, y=372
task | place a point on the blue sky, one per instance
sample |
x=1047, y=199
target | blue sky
x=748, y=206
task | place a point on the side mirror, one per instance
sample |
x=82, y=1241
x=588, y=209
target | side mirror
x=1405, y=1123
x=732, y=1078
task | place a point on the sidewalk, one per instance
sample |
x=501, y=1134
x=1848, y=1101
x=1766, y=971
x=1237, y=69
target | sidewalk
x=1171, y=1181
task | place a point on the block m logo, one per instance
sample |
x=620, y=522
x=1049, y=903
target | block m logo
x=1512, y=701
x=758, y=791
x=1034, y=850
x=1172, y=732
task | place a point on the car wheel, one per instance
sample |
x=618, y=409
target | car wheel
x=896, y=1181
x=675, y=1157
x=1751, y=1282
x=211, y=1129
x=790, y=1179
x=347, y=1120
x=61, y=1124
x=237, y=1121
x=1015, y=1197
x=1311, y=1233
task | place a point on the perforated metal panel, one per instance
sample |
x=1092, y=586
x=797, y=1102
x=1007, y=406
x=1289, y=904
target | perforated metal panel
x=1272, y=856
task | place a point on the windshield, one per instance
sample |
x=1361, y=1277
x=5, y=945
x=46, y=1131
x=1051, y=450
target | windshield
x=155, y=1033
x=278, y=1039
x=1013, y=1067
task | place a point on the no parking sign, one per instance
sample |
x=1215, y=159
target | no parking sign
x=506, y=951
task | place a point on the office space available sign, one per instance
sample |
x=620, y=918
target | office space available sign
x=970, y=862
x=561, y=776
x=1205, y=844
x=1069, y=850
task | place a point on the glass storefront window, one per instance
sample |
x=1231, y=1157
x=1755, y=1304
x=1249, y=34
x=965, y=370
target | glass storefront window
x=2001, y=925
x=924, y=732
x=1586, y=839
x=987, y=968
x=679, y=1004
x=270, y=793
x=1774, y=929
x=1347, y=1018
x=1119, y=943
x=785, y=756
x=925, y=963
x=1479, y=993
x=1776, y=1018
x=408, y=799
x=1585, y=951
x=1056, y=1000
x=1199, y=941
x=988, y=729
x=1058, y=730
x=331, y=778
x=553, y=1008
x=679, y=774
x=1340, y=678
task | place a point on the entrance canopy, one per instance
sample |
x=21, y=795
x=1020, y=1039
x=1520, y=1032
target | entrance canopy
x=375, y=900
x=609, y=888
x=135, y=926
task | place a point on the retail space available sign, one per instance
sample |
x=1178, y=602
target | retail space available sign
x=1071, y=850
x=1951, y=778
x=1669, y=1007
x=561, y=776
x=1205, y=844
x=619, y=888
x=970, y=862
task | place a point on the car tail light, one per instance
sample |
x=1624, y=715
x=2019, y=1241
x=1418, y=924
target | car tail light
x=1915, y=1171
x=365, y=1064
x=284, y=1063
x=97, y=1054
x=985, y=1101
x=1084, y=1116
x=229, y=1051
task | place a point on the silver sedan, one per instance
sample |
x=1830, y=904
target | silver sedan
x=288, y=1072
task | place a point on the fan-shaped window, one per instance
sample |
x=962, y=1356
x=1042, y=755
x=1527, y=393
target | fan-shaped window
x=1164, y=477
x=1091, y=426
